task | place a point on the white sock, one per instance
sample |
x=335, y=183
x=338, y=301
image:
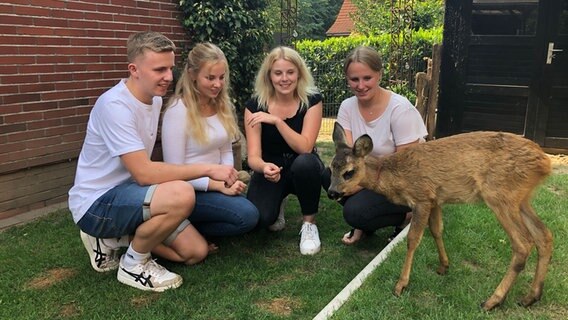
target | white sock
x=133, y=258
x=116, y=243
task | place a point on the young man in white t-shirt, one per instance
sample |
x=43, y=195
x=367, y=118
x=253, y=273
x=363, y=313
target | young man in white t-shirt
x=120, y=196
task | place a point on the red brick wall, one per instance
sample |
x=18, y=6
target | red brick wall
x=56, y=58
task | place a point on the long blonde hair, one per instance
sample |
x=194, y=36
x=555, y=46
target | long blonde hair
x=264, y=90
x=201, y=55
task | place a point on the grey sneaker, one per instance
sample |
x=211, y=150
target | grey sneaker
x=148, y=276
x=280, y=222
x=102, y=257
x=309, y=239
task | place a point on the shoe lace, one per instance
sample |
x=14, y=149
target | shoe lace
x=153, y=268
x=308, y=231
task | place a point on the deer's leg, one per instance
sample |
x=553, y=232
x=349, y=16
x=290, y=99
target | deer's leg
x=415, y=233
x=542, y=238
x=510, y=219
x=436, y=229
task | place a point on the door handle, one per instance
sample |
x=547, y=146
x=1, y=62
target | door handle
x=550, y=54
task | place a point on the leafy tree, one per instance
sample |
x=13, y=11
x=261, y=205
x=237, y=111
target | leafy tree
x=314, y=17
x=374, y=16
x=240, y=28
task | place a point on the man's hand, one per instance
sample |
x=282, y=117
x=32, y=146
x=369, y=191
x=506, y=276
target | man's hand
x=225, y=173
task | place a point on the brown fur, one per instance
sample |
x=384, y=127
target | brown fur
x=501, y=169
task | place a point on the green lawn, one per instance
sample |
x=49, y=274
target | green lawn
x=45, y=273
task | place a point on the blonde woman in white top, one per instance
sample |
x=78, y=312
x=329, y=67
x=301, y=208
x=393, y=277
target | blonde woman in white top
x=199, y=126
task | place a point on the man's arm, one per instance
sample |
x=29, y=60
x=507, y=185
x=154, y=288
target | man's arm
x=146, y=172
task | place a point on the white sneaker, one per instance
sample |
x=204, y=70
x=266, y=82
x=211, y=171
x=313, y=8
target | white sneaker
x=309, y=239
x=148, y=276
x=103, y=258
x=280, y=222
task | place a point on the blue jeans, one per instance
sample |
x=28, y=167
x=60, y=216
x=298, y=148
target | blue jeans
x=118, y=212
x=219, y=215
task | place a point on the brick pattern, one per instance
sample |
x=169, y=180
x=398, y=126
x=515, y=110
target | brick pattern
x=56, y=58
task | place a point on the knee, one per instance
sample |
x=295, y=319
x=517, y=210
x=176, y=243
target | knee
x=352, y=213
x=308, y=163
x=198, y=254
x=182, y=197
x=250, y=218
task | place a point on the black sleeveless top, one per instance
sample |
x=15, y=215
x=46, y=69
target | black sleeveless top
x=274, y=147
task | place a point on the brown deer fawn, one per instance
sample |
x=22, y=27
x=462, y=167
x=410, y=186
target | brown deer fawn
x=502, y=169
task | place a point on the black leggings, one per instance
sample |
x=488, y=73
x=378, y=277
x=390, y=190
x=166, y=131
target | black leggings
x=367, y=210
x=302, y=178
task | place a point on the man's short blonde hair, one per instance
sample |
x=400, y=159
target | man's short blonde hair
x=149, y=40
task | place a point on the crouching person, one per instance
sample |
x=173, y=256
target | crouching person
x=120, y=196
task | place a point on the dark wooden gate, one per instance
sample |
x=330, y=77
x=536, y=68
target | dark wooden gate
x=505, y=68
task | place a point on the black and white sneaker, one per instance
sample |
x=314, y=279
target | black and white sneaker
x=148, y=276
x=102, y=257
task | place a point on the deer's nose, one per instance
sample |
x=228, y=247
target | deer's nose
x=334, y=195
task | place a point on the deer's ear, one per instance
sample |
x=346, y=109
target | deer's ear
x=339, y=136
x=362, y=146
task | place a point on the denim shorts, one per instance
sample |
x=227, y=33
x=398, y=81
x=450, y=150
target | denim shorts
x=119, y=211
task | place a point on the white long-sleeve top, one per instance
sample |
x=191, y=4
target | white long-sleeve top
x=179, y=148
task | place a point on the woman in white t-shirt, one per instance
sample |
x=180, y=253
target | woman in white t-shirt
x=392, y=122
x=199, y=126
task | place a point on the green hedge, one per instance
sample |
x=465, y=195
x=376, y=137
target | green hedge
x=325, y=59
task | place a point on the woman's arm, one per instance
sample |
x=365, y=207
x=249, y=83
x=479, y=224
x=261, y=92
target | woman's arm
x=305, y=141
x=254, y=149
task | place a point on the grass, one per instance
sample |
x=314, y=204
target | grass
x=45, y=274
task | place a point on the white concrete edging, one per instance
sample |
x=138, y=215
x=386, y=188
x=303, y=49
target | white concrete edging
x=344, y=295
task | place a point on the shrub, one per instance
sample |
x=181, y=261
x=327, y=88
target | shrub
x=240, y=28
x=325, y=59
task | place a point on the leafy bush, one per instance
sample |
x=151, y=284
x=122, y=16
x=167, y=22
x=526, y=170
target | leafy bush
x=240, y=28
x=325, y=59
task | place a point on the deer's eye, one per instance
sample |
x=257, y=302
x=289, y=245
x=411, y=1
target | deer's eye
x=348, y=174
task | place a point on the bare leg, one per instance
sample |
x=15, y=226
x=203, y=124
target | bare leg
x=189, y=247
x=171, y=204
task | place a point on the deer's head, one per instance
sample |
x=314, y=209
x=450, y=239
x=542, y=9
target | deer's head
x=348, y=164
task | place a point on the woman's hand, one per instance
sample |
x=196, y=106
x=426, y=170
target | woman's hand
x=236, y=189
x=271, y=172
x=262, y=117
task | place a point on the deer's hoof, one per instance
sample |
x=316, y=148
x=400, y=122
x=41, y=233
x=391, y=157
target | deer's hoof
x=442, y=270
x=398, y=289
x=490, y=304
x=528, y=300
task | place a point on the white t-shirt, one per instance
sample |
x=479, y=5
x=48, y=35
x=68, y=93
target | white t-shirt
x=179, y=148
x=118, y=124
x=399, y=124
